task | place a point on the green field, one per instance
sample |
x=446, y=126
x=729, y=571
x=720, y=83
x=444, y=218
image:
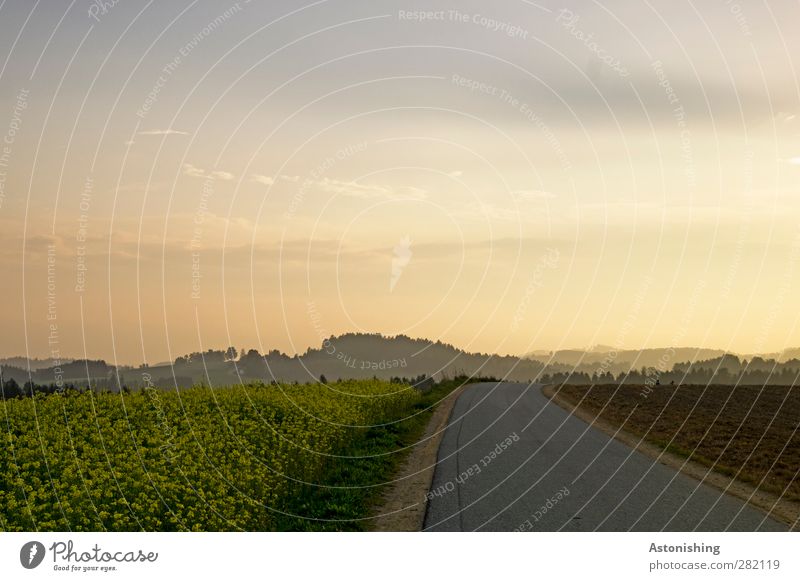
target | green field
x=254, y=457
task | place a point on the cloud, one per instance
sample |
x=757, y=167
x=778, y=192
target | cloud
x=192, y=171
x=263, y=180
x=351, y=188
x=410, y=192
x=197, y=172
x=269, y=180
x=163, y=132
x=355, y=189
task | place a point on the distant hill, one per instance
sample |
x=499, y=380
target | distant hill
x=782, y=356
x=23, y=362
x=351, y=356
x=623, y=360
x=359, y=355
x=68, y=372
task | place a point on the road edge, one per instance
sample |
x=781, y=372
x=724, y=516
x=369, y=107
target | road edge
x=405, y=505
x=781, y=510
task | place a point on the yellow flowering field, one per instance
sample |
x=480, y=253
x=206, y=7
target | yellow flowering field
x=246, y=457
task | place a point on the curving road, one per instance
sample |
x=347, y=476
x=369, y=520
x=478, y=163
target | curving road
x=512, y=460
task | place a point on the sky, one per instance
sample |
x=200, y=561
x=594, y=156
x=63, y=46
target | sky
x=506, y=177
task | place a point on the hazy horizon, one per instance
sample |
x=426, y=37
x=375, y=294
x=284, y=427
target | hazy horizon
x=543, y=352
x=504, y=178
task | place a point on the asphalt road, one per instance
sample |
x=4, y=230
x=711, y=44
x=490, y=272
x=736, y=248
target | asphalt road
x=512, y=460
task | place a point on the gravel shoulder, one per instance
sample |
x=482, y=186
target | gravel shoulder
x=404, y=505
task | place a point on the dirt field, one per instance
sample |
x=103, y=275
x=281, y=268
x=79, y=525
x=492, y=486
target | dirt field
x=750, y=433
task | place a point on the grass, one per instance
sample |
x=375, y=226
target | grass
x=352, y=489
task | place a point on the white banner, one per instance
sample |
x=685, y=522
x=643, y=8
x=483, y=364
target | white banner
x=400, y=556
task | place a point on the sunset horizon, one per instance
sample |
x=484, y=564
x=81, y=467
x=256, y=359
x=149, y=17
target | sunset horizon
x=504, y=205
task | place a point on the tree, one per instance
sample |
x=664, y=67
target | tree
x=11, y=389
